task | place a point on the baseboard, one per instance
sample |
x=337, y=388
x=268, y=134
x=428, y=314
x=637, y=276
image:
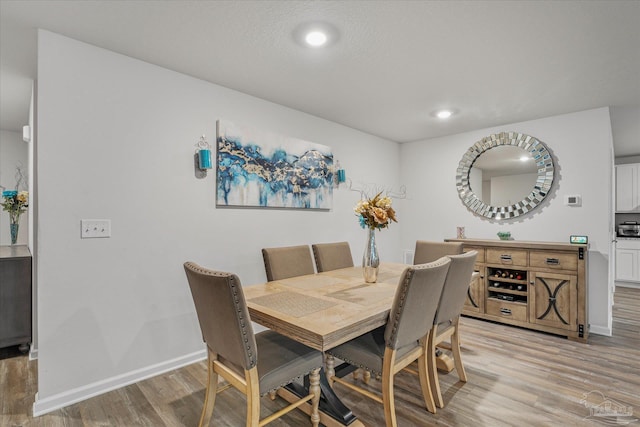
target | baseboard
x=628, y=285
x=60, y=400
x=33, y=354
x=600, y=330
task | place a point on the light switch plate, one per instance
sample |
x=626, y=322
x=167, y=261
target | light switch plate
x=95, y=228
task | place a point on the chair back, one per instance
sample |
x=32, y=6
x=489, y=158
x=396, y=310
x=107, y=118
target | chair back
x=415, y=303
x=287, y=261
x=223, y=314
x=332, y=256
x=427, y=251
x=456, y=286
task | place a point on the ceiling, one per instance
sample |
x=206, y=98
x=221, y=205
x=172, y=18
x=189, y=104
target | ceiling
x=391, y=65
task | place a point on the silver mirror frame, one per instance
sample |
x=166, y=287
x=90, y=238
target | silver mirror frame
x=541, y=188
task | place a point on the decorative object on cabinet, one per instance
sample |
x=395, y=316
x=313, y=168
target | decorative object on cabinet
x=536, y=285
x=15, y=297
x=504, y=235
x=628, y=187
x=15, y=203
x=580, y=240
x=528, y=149
x=262, y=169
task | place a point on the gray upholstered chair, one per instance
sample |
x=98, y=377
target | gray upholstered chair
x=254, y=364
x=388, y=349
x=446, y=322
x=287, y=261
x=428, y=251
x=332, y=256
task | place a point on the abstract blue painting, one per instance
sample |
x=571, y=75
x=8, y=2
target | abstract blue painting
x=262, y=169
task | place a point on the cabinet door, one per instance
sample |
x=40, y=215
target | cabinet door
x=552, y=300
x=627, y=180
x=475, y=294
x=627, y=267
x=15, y=301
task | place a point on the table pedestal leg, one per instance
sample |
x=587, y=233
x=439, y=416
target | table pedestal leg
x=332, y=411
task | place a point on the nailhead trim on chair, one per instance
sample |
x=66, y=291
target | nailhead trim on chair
x=234, y=287
x=403, y=295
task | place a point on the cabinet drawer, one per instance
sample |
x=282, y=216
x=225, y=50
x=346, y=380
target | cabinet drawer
x=506, y=256
x=506, y=309
x=480, y=257
x=554, y=260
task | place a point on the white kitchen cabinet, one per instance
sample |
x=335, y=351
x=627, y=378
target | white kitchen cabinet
x=628, y=260
x=628, y=188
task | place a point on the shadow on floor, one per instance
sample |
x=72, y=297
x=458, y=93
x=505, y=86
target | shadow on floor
x=9, y=352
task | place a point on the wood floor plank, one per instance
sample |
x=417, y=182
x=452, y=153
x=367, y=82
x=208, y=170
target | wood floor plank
x=515, y=377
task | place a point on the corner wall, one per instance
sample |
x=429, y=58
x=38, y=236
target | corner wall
x=116, y=138
x=581, y=144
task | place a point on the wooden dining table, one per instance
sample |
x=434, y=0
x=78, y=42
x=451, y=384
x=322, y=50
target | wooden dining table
x=324, y=310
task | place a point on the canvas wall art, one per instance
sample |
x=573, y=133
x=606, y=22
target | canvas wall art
x=262, y=169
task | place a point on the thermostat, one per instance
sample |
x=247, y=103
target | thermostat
x=579, y=239
x=573, y=200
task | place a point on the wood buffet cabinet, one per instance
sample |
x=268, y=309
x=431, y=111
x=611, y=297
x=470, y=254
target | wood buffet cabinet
x=536, y=285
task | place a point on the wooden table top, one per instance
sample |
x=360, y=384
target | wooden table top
x=326, y=309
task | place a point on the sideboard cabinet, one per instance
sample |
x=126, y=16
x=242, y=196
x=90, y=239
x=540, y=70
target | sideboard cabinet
x=536, y=285
x=15, y=296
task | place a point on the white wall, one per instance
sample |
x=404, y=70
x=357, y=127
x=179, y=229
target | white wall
x=13, y=153
x=582, y=147
x=116, y=140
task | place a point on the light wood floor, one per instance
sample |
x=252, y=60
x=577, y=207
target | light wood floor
x=516, y=377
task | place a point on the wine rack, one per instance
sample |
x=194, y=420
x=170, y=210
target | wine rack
x=507, y=284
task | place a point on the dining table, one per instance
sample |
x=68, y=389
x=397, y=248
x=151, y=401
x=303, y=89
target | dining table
x=324, y=310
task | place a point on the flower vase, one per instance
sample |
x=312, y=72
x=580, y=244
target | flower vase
x=14, y=232
x=370, y=259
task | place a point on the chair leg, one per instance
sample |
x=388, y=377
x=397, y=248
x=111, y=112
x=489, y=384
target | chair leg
x=314, y=387
x=253, y=397
x=433, y=368
x=387, y=388
x=455, y=349
x=210, y=393
x=425, y=384
x=366, y=376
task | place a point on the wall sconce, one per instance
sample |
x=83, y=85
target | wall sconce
x=202, y=158
x=204, y=153
x=339, y=175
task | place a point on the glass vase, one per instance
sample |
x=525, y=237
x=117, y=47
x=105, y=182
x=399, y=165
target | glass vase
x=370, y=259
x=14, y=232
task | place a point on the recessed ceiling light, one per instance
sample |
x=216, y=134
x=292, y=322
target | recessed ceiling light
x=316, y=34
x=525, y=158
x=443, y=114
x=315, y=38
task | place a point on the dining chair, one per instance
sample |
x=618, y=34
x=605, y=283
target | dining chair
x=388, y=349
x=287, y=261
x=332, y=256
x=447, y=319
x=255, y=364
x=429, y=251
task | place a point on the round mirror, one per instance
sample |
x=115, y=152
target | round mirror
x=504, y=175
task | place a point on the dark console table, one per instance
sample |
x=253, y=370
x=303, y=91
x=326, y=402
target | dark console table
x=15, y=296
